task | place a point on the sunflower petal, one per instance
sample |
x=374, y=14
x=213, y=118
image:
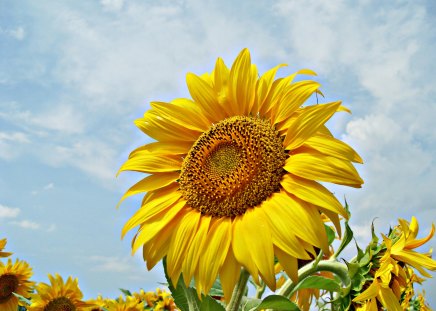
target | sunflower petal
x=214, y=253
x=150, y=183
x=333, y=147
x=323, y=168
x=308, y=122
x=229, y=274
x=180, y=242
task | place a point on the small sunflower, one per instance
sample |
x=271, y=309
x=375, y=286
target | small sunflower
x=392, y=285
x=98, y=304
x=14, y=278
x=234, y=176
x=128, y=304
x=58, y=296
x=2, y=246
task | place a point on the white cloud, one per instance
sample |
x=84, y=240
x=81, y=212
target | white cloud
x=18, y=33
x=10, y=144
x=112, y=264
x=26, y=224
x=112, y=5
x=8, y=212
x=61, y=118
x=49, y=186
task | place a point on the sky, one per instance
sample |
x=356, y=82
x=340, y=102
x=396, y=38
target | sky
x=75, y=74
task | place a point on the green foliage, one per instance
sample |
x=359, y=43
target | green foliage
x=319, y=282
x=126, y=292
x=276, y=303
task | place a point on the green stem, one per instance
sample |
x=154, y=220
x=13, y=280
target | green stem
x=340, y=269
x=190, y=297
x=239, y=291
x=260, y=290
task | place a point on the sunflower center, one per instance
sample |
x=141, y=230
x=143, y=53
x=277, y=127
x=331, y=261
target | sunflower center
x=8, y=285
x=235, y=165
x=60, y=304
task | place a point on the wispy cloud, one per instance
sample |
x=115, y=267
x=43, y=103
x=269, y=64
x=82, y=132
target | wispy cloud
x=8, y=212
x=17, y=33
x=26, y=224
x=11, y=143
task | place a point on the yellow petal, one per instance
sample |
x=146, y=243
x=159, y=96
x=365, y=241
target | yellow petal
x=307, y=124
x=188, y=115
x=283, y=234
x=323, y=168
x=303, y=218
x=148, y=230
x=163, y=129
x=264, y=86
x=288, y=262
x=229, y=274
x=260, y=245
x=180, y=242
x=388, y=299
x=150, y=183
x=242, y=84
x=371, y=292
x=294, y=97
x=151, y=209
x=312, y=192
x=164, y=148
x=333, y=147
x=152, y=163
x=214, y=253
x=205, y=96
x=240, y=249
x=189, y=265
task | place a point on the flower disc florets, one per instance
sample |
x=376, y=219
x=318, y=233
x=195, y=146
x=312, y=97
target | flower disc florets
x=234, y=166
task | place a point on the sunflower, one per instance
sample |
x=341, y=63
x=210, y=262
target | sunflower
x=58, y=296
x=2, y=246
x=129, y=304
x=14, y=278
x=392, y=285
x=234, y=176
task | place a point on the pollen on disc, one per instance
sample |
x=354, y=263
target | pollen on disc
x=235, y=165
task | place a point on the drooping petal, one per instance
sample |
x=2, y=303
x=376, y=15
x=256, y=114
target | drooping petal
x=180, y=242
x=150, y=183
x=215, y=252
x=190, y=263
x=229, y=274
x=323, y=168
x=312, y=192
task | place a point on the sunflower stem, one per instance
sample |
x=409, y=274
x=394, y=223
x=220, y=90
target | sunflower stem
x=260, y=290
x=340, y=269
x=239, y=291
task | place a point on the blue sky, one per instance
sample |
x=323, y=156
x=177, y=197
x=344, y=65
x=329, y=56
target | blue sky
x=75, y=74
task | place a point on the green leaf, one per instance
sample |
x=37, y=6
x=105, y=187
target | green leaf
x=216, y=290
x=348, y=236
x=277, y=303
x=320, y=282
x=330, y=234
x=210, y=304
x=250, y=304
x=22, y=299
x=126, y=292
x=183, y=296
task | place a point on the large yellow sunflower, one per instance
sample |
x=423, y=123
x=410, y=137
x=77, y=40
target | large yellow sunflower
x=14, y=278
x=58, y=296
x=234, y=176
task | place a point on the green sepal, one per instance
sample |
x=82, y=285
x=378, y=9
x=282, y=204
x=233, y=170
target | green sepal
x=126, y=292
x=319, y=282
x=330, y=234
x=348, y=236
x=23, y=299
x=277, y=303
